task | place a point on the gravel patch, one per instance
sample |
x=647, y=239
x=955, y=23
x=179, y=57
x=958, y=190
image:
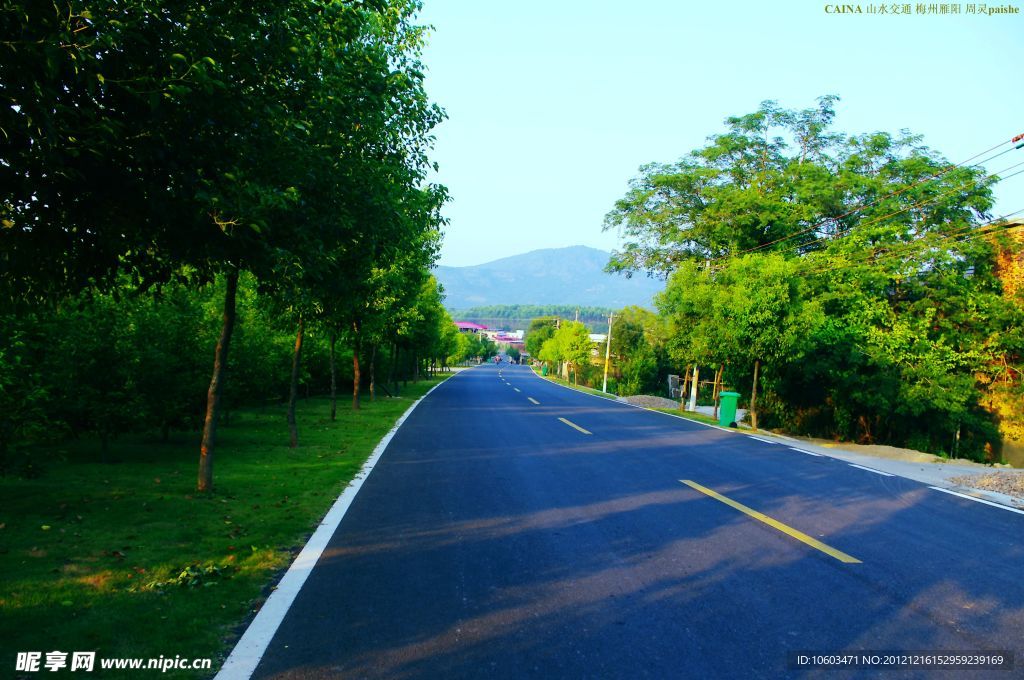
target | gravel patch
x=650, y=402
x=1010, y=483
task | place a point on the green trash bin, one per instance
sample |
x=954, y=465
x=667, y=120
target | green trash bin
x=544, y=369
x=727, y=408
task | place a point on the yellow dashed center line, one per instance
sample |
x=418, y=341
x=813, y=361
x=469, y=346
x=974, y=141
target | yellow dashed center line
x=534, y=401
x=574, y=426
x=788, y=530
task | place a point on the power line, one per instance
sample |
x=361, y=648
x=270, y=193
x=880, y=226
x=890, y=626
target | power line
x=901, y=249
x=919, y=204
x=995, y=226
x=923, y=202
x=878, y=199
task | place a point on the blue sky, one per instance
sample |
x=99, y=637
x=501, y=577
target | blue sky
x=554, y=105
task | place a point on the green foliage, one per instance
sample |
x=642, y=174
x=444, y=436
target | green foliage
x=108, y=367
x=513, y=317
x=638, y=348
x=192, y=576
x=462, y=351
x=91, y=367
x=571, y=344
x=486, y=348
x=850, y=269
x=551, y=351
x=639, y=371
x=778, y=180
x=23, y=396
x=540, y=331
x=150, y=143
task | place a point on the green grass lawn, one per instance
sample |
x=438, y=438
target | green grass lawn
x=91, y=553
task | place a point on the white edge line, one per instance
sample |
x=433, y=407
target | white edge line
x=613, y=400
x=877, y=472
x=251, y=647
x=979, y=500
x=766, y=441
x=735, y=430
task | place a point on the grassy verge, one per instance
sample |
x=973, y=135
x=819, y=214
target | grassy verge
x=579, y=388
x=125, y=560
x=689, y=415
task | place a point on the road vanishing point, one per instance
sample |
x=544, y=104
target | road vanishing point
x=514, y=528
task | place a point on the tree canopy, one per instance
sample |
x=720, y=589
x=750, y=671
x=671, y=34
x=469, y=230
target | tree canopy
x=857, y=274
x=278, y=145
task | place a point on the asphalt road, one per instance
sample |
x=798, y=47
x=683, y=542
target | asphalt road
x=496, y=540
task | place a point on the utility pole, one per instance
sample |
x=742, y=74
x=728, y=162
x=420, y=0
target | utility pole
x=607, y=353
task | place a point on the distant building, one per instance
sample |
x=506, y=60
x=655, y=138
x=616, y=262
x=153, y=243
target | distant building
x=503, y=338
x=469, y=327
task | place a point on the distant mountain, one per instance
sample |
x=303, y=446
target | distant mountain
x=553, y=276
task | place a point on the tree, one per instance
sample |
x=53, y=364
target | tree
x=154, y=141
x=574, y=345
x=779, y=180
x=551, y=352
x=540, y=330
x=639, y=336
x=849, y=276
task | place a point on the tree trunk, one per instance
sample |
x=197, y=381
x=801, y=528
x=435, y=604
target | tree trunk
x=220, y=362
x=415, y=368
x=394, y=365
x=334, y=376
x=293, y=392
x=373, y=373
x=753, y=395
x=356, y=377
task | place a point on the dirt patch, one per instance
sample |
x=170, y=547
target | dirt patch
x=1010, y=483
x=879, y=451
x=895, y=453
x=648, y=401
x=98, y=581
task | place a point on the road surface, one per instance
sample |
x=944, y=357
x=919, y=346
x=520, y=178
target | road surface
x=518, y=529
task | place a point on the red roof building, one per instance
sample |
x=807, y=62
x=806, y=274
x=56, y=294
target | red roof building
x=469, y=327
